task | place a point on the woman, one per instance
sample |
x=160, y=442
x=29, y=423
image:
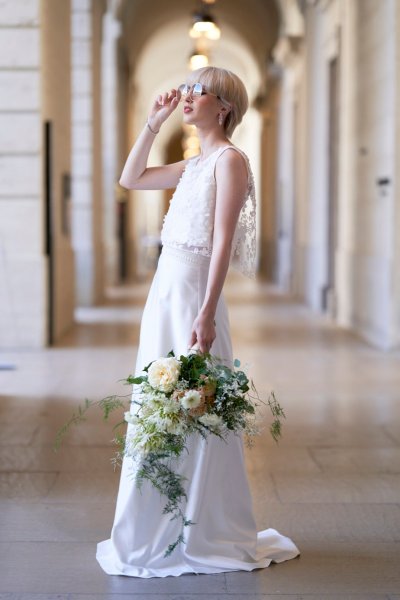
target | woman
x=211, y=220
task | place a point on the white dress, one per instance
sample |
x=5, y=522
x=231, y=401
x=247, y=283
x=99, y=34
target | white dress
x=224, y=536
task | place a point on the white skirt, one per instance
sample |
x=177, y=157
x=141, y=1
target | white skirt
x=224, y=536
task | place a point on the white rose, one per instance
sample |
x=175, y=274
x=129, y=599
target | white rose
x=191, y=399
x=164, y=373
x=211, y=420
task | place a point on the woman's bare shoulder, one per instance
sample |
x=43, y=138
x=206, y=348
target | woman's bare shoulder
x=232, y=159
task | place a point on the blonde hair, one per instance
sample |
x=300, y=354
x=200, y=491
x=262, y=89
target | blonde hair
x=229, y=87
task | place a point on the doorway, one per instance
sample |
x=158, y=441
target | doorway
x=48, y=214
x=329, y=300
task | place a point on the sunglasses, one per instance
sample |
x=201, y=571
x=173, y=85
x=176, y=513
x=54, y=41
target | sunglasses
x=197, y=90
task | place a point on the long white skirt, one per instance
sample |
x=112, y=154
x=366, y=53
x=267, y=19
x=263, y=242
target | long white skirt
x=224, y=536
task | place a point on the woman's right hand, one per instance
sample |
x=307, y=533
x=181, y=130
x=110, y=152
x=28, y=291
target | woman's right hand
x=164, y=105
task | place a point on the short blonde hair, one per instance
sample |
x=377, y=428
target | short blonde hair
x=228, y=86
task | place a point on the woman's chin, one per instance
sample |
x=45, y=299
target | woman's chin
x=188, y=119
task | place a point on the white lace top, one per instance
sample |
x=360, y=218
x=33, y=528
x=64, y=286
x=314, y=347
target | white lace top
x=189, y=222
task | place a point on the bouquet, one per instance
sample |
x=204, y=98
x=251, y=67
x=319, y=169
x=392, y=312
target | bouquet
x=172, y=400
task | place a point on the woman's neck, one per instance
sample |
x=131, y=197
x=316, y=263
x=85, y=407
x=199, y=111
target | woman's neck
x=210, y=141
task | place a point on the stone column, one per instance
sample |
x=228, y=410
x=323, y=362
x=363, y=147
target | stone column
x=395, y=313
x=22, y=261
x=374, y=232
x=56, y=111
x=35, y=255
x=86, y=149
x=288, y=57
x=269, y=110
x=111, y=134
x=347, y=184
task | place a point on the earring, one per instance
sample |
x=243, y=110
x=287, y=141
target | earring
x=220, y=119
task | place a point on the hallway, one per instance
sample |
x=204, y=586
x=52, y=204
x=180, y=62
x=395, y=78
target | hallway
x=332, y=484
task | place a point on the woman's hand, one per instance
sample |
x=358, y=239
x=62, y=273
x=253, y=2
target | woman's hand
x=203, y=333
x=163, y=106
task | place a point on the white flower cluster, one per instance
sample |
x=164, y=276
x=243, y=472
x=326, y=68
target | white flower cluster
x=191, y=399
x=212, y=421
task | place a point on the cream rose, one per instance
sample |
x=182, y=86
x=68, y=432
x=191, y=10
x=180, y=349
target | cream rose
x=164, y=373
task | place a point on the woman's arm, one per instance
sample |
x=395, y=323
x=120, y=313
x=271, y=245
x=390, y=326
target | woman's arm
x=136, y=175
x=232, y=178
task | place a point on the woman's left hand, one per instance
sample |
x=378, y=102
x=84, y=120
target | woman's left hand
x=203, y=333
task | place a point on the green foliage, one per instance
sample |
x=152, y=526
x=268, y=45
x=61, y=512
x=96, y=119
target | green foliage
x=192, y=367
x=107, y=405
x=278, y=413
x=74, y=420
x=169, y=484
x=171, y=547
x=136, y=380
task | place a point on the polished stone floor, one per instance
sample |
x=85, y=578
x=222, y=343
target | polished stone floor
x=332, y=484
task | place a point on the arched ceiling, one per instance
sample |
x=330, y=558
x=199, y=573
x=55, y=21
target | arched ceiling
x=256, y=22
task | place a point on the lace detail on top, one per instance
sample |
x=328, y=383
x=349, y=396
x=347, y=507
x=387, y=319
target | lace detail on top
x=189, y=222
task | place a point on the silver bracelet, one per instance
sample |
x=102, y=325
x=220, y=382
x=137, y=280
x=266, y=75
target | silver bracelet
x=152, y=130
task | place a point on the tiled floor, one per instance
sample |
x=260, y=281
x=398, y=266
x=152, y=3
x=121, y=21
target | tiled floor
x=332, y=484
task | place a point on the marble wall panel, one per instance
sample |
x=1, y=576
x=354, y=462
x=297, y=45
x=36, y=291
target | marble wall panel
x=20, y=132
x=81, y=25
x=82, y=227
x=82, y=163
x=82, y=191
x=23, y=12
x=22, y=322
x=19, y=90
x=82, y=136
x=20, y=175
x=20, y=227
x=81, y=108
x=81, y=53
x=20, y=48
x=81, y=81
x=81, y=5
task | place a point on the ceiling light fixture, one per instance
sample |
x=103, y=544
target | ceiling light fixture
x=197, y=60
x=204, y=25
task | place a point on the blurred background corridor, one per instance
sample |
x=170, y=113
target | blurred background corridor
x=320, y=325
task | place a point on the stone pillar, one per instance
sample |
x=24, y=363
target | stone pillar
x=395, y=311
x=23, y=266
x=347, y=183
x=287, y=55
x=35, y=297
x=269, y=110
x=374, y=232
x=86, y=149
x=56, y=111
x=111, y=134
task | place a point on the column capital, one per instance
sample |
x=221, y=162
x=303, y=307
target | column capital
x=287, y=50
